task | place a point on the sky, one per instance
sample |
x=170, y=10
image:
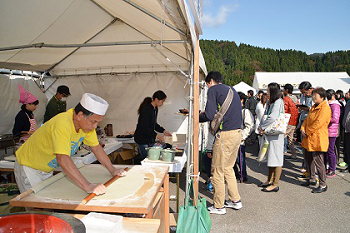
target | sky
x=311, y=26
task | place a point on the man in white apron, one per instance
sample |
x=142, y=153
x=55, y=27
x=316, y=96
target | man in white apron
x=54, y=142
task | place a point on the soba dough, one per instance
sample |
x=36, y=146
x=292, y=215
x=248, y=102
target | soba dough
x=122, y=187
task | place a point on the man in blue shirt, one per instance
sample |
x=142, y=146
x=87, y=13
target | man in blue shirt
x=226, y=145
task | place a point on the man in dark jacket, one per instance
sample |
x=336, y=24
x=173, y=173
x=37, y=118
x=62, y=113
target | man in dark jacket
x=226, y=145
x=251, y=102
x=57, y=103
x=346, y=125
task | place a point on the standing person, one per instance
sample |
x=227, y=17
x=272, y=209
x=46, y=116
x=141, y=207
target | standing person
x=147, y=126
x=25, y=124
x=207, y=157
x=330, y=158
x=340, y=139
x=340, y=97
x=226, y=144
x=288, y=91
x=290, y=107
x=274, y=152
x=260, y=94
x=251, y=103
x=57, y=103
x=315, y=139
x=306, y=103
x=260, y=109
x=346, y=125
x=240, y=167
x=54, y=142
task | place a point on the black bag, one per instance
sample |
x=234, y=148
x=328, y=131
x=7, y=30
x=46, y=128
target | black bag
x=219, y=116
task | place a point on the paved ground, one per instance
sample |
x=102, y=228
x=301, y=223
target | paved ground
x=293, y=209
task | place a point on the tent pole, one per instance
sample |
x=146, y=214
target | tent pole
x=196, y=120
x=155, y=17
x=189, y=133
x=60, y=46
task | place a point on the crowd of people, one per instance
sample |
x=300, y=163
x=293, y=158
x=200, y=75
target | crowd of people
x=319, y=120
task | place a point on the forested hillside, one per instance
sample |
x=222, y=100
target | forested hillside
x=240, y=62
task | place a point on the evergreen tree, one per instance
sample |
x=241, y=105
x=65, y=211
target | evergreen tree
x=240, y=62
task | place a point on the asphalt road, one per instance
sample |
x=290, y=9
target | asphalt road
x=293, y=209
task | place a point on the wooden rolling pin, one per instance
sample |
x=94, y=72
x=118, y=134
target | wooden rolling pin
x=108, y=183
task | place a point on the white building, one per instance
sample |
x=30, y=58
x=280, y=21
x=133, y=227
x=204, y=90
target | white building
x=327, y=80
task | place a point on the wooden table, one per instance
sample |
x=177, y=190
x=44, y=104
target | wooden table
x=131, y=225
x=152, y=199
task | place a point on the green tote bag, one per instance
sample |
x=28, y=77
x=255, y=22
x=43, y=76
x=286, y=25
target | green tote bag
x=194, y=219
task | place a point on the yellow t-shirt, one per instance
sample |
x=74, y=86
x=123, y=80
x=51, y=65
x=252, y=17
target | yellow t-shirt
x=57, y=136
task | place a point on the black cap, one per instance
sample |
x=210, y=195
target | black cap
x=63, y=90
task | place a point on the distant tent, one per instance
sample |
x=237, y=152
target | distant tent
x=327, y=80
x=243, y=87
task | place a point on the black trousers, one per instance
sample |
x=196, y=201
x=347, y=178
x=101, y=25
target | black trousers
x=347, y=148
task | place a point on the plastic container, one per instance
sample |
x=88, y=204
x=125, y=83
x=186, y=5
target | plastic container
x=97, y=223
x=168, y=155
x=153, y=152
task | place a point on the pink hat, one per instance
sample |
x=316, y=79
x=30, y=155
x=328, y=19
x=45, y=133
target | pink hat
x=25, y=97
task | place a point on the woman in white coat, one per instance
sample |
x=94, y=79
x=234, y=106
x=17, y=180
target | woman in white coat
x=274, y=108
x=260, y=109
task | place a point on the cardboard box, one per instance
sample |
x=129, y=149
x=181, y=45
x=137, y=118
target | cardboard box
x=178, y=140
x=124, y=156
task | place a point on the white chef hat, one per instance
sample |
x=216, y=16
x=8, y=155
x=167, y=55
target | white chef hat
x=94, y=104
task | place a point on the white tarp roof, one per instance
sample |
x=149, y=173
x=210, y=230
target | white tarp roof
x=327, y=80
x=68, y=22
x=243, y=87
x=121, y=74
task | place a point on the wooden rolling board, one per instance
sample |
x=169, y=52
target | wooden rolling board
x=140, y=203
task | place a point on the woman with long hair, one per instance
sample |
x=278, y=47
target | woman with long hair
x=25, y=124
x=274, y=108
x=147, y=126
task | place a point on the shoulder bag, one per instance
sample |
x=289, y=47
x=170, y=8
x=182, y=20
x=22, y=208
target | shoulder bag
x=219, y=116
x=280, y=125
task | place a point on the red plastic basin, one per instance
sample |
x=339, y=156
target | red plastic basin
x=33, y=222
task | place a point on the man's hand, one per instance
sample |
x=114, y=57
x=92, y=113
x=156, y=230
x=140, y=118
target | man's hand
x=119, y=172
x=209, y=155
x=98, y=189
x=303, y=133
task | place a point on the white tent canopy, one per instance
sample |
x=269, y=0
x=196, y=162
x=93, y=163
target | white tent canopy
x=120, y=50
x=154, y=30
x=243, y=87
x=327, y=80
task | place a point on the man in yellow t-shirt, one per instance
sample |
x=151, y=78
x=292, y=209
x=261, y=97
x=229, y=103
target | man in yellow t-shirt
x=58, y=139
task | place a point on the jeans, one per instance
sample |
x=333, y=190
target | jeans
x=143, y=151
x=285, y=145
x=240, y=166
x=207, y=164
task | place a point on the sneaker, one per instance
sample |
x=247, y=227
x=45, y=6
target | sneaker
x=342, y=164
x=233, y=204
x=331, y=174
x=213, y=210
x=303, y=177
x=210, y=187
